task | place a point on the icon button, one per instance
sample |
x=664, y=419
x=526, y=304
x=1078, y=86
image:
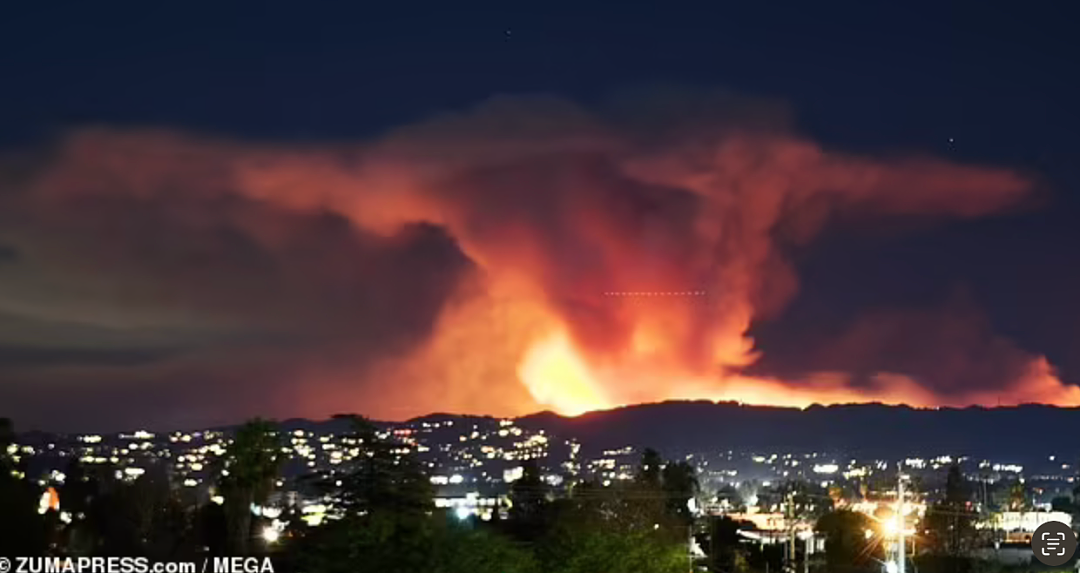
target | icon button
x=1053, y=543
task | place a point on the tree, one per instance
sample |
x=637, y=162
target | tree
x=143, y=517
x=433, y=544
x=387, y=525
x=592, y=504
x=380, y=480
x=613, y=529
x=211, y=528
x=589, y=550
x=632, y=526
x=457, y=549
x=246, y=477
x=1063, y=503
x=726, y=552
x=649, y=470
x=80, y=490
x=680, y=484
x=529, y=504
x=802, y=499
x=951, y=521
x=1018, y=498
x=847, y=547
x=7, y=438
x=642, y=504
x=22, y=530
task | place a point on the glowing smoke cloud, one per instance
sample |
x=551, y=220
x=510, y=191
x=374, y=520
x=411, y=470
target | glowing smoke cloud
x=553, y=209
x=558, y=208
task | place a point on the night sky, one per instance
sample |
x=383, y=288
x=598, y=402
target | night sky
x=213, y=211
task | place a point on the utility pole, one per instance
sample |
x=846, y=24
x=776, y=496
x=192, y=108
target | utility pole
x=690, y=549
x=791, y=531
x=901, y=553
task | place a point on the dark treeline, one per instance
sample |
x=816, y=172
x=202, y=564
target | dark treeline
x=388, y=522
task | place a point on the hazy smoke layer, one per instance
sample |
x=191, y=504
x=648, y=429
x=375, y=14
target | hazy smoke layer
x=526, y=254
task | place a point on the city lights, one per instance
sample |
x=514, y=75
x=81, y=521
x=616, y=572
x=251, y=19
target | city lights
x=472, y=477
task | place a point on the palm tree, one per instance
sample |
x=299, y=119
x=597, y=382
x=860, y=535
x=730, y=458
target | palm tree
x=246, y=477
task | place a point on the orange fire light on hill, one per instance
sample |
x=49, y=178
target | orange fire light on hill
x=561, y=378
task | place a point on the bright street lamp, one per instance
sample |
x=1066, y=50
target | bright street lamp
x=270, y=534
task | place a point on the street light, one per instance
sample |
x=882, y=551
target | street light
x=270, y=534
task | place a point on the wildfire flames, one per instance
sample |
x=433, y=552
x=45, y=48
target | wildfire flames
x=607, y=262
x=559, y=377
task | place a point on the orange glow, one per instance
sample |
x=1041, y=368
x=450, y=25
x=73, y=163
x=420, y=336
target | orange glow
x=51, y=499
x=561, y=378
x=583, y=349
x=558, y=377
x=549, y=209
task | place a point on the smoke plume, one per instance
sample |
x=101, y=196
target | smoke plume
x=526, y=254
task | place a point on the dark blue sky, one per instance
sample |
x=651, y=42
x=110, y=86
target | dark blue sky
x=996, y=79
x=992, y=83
